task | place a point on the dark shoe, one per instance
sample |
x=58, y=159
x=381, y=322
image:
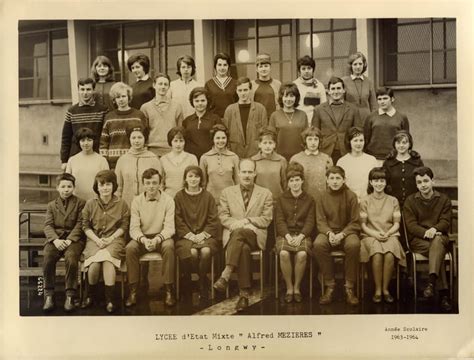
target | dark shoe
x=132, y=297
x=203, y=289
x=298, y=298
x=326, y=298
x=110, y=307
x=242, y=304
x=377, y=298
x=170, y=299
x=88, y=301
x=351, y=299
x=69, y=304
x=429, y=291
x=89, y=296
x=48, y=305
x=220, y=285
x=288, y=298
x=388, y=298
x=445, y=304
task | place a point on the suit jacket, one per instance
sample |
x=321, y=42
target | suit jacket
x=64, y=223
x=243, y=146
x=259, y=211
x=332, y=133
x=368, y=100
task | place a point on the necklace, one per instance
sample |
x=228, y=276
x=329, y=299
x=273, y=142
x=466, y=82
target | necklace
x=290, y=118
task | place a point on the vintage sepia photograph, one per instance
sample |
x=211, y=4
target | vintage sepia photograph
x=197, y=182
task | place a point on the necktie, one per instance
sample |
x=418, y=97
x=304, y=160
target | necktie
x=246, y=197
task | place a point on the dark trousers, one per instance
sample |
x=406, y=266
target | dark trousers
x=134, y=250
x=435, y=251
x=71, y=257
x=241, y=243
x=322, y=251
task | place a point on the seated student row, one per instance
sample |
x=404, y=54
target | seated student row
x=152, y=225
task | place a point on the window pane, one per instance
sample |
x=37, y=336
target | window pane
x=321, y=24
x=274, y=27
x=323, y=70
x=26, y=67
x=344, y=43
x=60, y=43
x=179, y=32
x=136, y=36
x=340, y=67
x=344, y=23
x=242, y=29
x=61, y=87
x=278, y=48
x=240, y=70
x=412, y=20
x=33, y=89
x=33, y=45
x=304, y=26
x=444, y=39
x=409, y=68
x=61, y=65
x=322, y=45
x=444, y=66
x=243, y=51
x=105, y=38
x=414, y=38
x=286, y=72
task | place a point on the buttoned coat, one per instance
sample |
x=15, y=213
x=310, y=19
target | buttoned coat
x=64, y=223
x=331, y=131
x=245, y=146
x=259, y=211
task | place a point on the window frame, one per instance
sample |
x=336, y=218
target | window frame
x=49, y=56
x=380, y=70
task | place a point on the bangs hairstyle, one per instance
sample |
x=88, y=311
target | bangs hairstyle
x=66, y=177
x=351, y=133
x=305, y=60
x=85, y=81
x=294, y=169
x=222, y=56
x=216, y=128
x=142, y=129
x=163, y=75
x=118, y=88
x=83, y=133
x=334, y=80
x=244, y=80
x=379, y=173
x=105, y=176
x=422, y=171
x=311, y=131
x=399, y=135
x=353, y=57
x=142, y=59
x=267, y=131
x=384, y=91
x=177, y=130
x=149, y=173
x=286, y=89
x=197, y=91
x=196, y=170
x=336, y=170
x=188, y=60
x=104, y=60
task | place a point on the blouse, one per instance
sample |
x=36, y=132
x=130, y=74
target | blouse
x=357, y=170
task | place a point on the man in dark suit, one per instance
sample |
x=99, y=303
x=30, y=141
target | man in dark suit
x=245, y=212
x=334, y=118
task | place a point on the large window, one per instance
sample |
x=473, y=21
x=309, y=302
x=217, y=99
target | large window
x=418, y=51
x=44, y=62
x=162, y=41
x=329, y=42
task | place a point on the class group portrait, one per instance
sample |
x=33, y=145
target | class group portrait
x=238, y=167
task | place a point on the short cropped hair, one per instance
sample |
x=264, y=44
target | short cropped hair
x=187, y=59
x=351, y=133
x=378, y=173
x=267, y=131
x=117, y=88
x=222, y=56
x=142, y=59
x=66, y=177
x=105, y=176
x=422, y=171
x=336, y=170
x=384, y=91
x=177, y=130
x=310, y=131
x=163, y=75
x=353, y=57
x=305, y=60
x=294, y=169
x=289, y=88
x=85, y=81
x=334, y=80
x=144, y=130
x=197, y=91
x=149, y=173
x=249, y=160
x=216, y=128
x=104, y=60
x=83, y=133
x=196, y=170
x=244, y=80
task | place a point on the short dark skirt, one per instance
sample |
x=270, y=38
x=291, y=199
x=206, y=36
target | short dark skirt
x=183, y=247
x=282, y=244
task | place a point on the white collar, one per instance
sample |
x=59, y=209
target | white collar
x=390, y=113
x=353, y=77
x=307, y=152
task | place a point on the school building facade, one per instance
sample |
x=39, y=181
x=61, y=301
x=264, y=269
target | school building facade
x=416, y=57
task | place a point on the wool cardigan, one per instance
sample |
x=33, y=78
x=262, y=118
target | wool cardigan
x=294, y=215
x=245, y=146
x=64, y=223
